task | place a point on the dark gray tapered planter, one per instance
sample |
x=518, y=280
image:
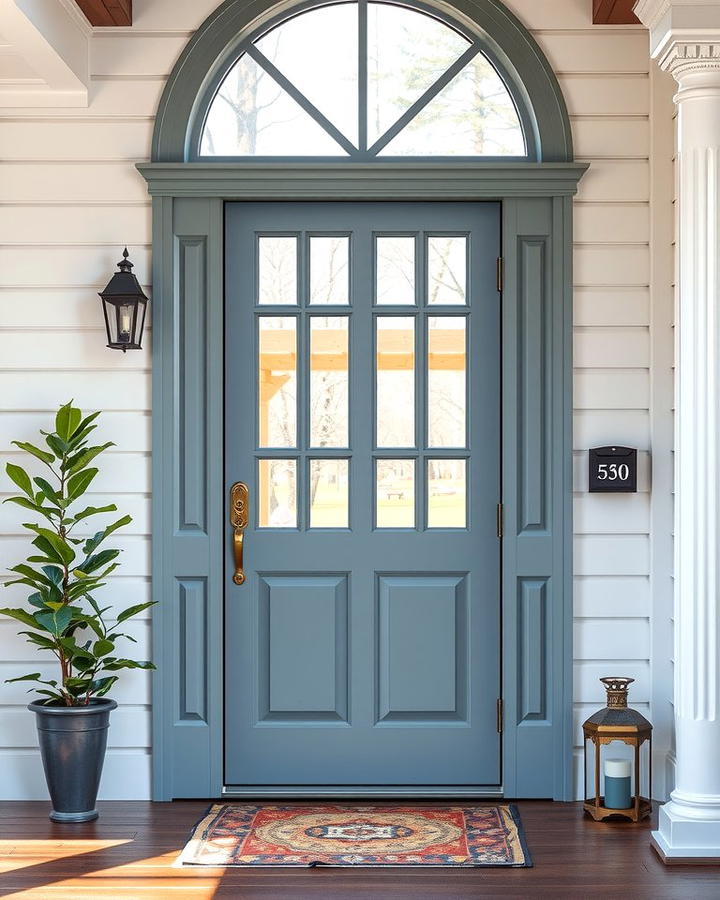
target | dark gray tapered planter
x=72, y=745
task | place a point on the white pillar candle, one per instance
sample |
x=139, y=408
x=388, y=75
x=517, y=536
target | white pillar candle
x=618, y=768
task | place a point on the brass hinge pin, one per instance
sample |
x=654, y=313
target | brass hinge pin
x=499, y=716
x=500, y=273
x=499, y=523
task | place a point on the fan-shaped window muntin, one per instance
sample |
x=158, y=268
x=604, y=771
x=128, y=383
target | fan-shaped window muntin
x=363, y=80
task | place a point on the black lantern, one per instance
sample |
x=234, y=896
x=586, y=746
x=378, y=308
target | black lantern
x=124, y=305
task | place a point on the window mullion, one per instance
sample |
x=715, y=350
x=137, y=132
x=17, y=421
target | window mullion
x=301, y=99
x=362, y=74
x=424, y=99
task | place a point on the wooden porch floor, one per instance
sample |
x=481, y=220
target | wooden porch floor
x=128, y=852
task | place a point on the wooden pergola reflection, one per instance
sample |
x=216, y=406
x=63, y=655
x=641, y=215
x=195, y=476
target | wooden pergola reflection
x=395, y=352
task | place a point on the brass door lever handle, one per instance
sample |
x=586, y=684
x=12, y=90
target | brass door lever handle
x=239, y=516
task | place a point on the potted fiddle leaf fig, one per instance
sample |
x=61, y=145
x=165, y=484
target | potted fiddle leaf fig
x=63, y=619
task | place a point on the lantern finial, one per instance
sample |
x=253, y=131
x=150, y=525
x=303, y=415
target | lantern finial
x=617, y=691
x=125, y=265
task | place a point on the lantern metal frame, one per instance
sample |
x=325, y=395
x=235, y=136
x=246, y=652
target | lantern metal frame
x=124, y=290
x=617, y=722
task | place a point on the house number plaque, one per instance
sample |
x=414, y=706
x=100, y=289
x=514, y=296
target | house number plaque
x=613, y=470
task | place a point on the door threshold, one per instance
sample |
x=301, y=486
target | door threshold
x=366, y=792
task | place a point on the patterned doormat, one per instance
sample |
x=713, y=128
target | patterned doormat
x=330, y=835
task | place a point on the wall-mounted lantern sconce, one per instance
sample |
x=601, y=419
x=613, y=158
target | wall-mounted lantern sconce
x=124, y=305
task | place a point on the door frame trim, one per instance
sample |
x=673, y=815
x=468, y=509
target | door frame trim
x=188, y=503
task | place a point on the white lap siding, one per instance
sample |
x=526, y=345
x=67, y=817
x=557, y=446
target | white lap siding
x=70, y=199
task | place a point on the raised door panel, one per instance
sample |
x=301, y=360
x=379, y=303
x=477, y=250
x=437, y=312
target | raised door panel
x=422, y=648
x=302, y=649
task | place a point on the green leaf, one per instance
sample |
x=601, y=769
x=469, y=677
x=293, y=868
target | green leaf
x=47, y=548
x=67, y=420
x=43, y=455
x=83, y=430
x=92, y=623
x=46, y=511
x=55, y=622
x=118, y=664
x=28, y=572
x=93, y=511
x=95, y=562
x=48, y=491
x=80, y=460
x=21, y=478
x=134, y=610
x=101, y=686
x=54, y=574
x=45, y=642
x=94, y=542
x=77, y=686
x=36, y=600
x=79, y=483
x=61, y=547
x=21, y=615
x=34, y=677
x=58, y=447
x=103, y=647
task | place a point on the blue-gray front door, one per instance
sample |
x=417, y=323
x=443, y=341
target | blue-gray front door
x=363, y=412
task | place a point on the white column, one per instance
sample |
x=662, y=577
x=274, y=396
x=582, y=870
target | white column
x=685, y=39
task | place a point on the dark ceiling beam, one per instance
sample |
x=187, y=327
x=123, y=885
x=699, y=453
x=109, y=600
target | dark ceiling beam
x=614, y=12
x=107, y=12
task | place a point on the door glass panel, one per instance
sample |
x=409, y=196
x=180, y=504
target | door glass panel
x=277, y=493
x=447, y=270
x=252, y=115
x=395, y=381
x=318, y=53
x=446, y=489
x=473, y=115
x=277, y=270
x=395, y=493
x=329, y=270
x=329, y=381
x=277, y=379
x=407, y=52
x=395, y=271
x=447, y=364
x=329, y=493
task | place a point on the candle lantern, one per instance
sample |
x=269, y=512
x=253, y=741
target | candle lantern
x=124, y=305
x=613, y=794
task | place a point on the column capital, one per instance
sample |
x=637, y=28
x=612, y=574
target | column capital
x=684, y=36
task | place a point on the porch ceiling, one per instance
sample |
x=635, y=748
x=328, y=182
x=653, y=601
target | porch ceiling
x=614, y=12
x=107, y=12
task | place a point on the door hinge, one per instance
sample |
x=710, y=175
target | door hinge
x=500, y=516
x=500, y=711
x=500, y=267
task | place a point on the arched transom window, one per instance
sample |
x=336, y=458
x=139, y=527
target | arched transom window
x=362, y=80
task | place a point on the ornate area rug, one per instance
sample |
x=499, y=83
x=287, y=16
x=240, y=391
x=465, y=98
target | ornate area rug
x=331, y=835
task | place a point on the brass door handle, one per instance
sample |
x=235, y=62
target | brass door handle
x=239, y=516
